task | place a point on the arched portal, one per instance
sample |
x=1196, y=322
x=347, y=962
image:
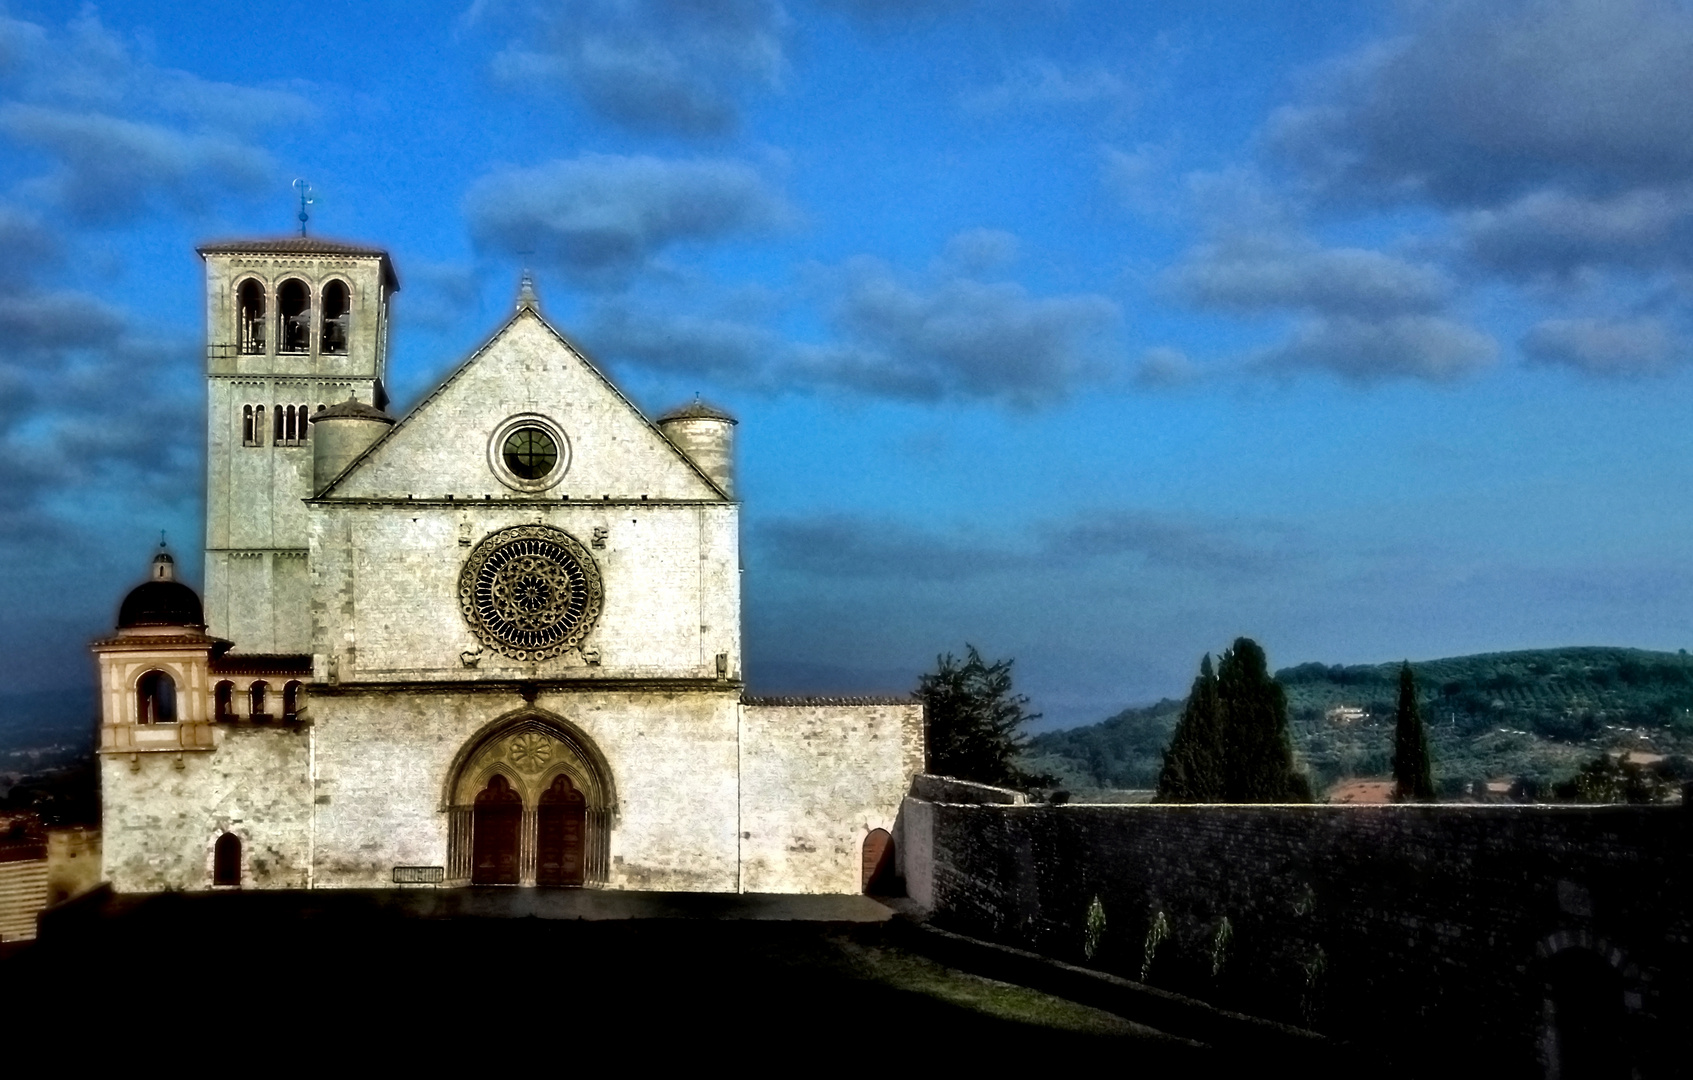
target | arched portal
x=561, y=786
x=559, y=824
x=878, y=876
x=498, y=826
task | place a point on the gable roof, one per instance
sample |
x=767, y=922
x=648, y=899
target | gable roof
x=523, y=310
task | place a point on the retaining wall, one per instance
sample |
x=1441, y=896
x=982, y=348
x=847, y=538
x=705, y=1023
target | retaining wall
x=1435, y=935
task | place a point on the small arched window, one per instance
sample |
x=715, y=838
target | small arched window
x=294, y=305
x=223, y=701
x=256, y=701
x=250, y=317
x=276, y=436
x=291, y=701
x=155, y=699
x=305, y=429
x=258, y=425
x=247, y=430
x=337, y=314
x=293, y=432
x=226, y=860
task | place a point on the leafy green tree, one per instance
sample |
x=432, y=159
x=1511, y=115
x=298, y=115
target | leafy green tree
x=1257, y=755
x=975, y=720
x=1412, y=779
x=1193, y=762
x=1613, y=779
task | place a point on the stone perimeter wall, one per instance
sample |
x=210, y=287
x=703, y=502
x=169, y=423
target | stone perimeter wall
x=1425, y=930
x=712, y=795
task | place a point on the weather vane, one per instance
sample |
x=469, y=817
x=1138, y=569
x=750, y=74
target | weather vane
x=306, y=200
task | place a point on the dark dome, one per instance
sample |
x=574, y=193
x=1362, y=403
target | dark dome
x=161, y=603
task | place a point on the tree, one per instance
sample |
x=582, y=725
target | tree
x=1412, y=780
x=1231, y=744
x=974, y=721
x=1258, y=762
x=1193, y=764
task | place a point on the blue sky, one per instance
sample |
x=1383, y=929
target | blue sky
x=1091, y=334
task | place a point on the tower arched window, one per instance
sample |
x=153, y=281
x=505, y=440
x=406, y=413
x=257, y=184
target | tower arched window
x=291, y=701
x=337, y=317
x=305, y=429
x=248, y=432
x=223, y=701
x=258, y=425
x=250, y=317
x=294, y=305
x=289, y=432
x=155, y=699
x=256, y=701
x=276, y=436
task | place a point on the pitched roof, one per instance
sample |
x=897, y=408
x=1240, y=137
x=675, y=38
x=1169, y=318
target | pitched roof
x=303, y=245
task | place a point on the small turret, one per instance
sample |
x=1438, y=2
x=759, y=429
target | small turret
x=707, y=436
x=340, y=434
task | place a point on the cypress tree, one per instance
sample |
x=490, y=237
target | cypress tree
x=1412, y=781
x=1193, y=764
x=1257, y=753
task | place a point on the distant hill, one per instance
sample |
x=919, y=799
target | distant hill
x=1534, y=715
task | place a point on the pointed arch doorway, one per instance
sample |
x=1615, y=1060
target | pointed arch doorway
x=529, y=800
x=497, y=828
x=560, y=823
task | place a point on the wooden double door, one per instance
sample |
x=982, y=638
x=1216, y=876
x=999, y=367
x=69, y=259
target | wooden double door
x=558, y=842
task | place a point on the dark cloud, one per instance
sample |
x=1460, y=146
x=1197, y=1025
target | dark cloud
x=117, y=132
x=669, y=341
x=1477, y=103
x=108, y=167
x=846, y=547
x=843, y=547
x=1160, y=540
x=673, y=66
x=600, y=217
x=1555, y=233
x=1254, y=274
x=957, y=338
x=1620, y=347
x=1368, y=351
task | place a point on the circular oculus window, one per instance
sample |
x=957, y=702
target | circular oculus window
x=529, y=453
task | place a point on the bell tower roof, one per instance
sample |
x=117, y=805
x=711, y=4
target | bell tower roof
x=304, y=245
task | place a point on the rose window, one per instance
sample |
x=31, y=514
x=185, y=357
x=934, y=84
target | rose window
x=530, y=591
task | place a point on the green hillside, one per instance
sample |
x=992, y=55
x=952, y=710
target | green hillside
x=1535, y=716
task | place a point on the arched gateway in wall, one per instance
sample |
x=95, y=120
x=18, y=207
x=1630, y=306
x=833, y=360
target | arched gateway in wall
x=530, y=801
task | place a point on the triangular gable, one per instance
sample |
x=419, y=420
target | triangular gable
x=441, y=446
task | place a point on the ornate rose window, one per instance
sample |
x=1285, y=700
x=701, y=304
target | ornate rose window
x=530, y=592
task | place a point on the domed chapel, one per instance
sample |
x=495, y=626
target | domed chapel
x=494, y=641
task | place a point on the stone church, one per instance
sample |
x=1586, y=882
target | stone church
x=494, y=641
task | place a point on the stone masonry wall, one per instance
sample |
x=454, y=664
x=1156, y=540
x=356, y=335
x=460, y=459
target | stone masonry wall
x=815, y=779
x=383, y=759
x=161, y=820
x=1425, y=931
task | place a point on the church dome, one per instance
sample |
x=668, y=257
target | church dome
x=161, y=600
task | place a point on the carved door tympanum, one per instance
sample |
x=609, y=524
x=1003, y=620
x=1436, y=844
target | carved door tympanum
x=499, y=819
x=559, y=828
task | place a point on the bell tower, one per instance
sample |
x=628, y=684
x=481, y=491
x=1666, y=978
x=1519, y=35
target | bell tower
x=292, y=326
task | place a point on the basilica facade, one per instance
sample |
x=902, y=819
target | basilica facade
x=494, y=641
